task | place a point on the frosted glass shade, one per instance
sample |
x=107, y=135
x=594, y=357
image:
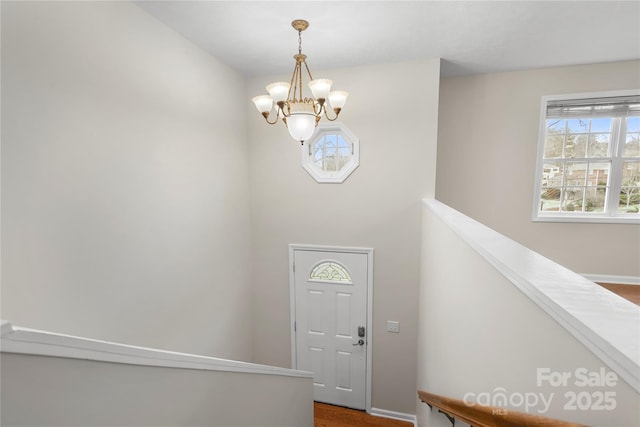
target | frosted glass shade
x=338, y=98
x=263, y=103
x=278, y=91
x=320, y=88
x=301, y=122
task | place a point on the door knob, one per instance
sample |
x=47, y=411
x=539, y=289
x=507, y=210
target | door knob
x=360, y=342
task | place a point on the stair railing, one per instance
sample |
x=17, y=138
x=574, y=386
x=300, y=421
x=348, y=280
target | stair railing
x=486, y=416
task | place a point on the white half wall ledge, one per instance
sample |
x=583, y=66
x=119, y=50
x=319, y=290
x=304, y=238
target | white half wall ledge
x=607, y=324
x=35, y=342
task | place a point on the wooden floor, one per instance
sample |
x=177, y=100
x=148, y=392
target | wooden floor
x=630, y=292
x=336, y=416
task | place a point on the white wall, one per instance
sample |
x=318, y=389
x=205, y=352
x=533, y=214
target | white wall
x=487, y=142
x=124, y=181
x=52, y=391
x=479, y=333
x=378, y=206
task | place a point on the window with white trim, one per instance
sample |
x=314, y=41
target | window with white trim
x=331, y=154
x=589, y=158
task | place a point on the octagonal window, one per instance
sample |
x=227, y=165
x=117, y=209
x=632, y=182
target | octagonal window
x=331, y=154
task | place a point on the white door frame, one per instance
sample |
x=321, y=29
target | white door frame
x=292, y=302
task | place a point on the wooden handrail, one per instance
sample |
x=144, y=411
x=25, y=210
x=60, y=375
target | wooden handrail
x=488, y=416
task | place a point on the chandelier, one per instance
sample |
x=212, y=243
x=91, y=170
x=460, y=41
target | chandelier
x=299, y=114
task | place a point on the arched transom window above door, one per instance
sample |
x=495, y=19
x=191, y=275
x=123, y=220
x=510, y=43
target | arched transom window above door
x=331, y=154
x=330, y=271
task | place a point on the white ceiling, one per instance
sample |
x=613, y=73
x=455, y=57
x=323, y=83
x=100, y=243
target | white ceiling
x=256, y=37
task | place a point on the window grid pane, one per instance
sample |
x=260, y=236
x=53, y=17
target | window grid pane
x=573, y=199
x=550, y=199
x=629, y=201
x=582, y=186
x=331, y=152
x=632, y=145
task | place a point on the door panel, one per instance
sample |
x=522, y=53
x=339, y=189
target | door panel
x=316, y=363
x=330, y=305
x=316, y=311
x=343, y=315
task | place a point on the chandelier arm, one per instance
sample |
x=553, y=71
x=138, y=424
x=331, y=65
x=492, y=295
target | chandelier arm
x=266, y=117
x=292, y=84
x=308, y=70
x=337, y=111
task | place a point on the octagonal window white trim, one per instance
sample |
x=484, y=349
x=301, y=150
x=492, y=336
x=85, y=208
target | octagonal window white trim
x=331, y=154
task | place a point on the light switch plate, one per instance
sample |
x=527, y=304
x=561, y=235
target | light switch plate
x=393, y=326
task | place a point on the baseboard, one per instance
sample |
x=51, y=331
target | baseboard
x=383, y=413
x=623, y=280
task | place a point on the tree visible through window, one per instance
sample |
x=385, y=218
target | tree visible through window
x=589, y=166
x=331, y=152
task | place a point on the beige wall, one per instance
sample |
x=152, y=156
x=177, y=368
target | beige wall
x=487, y=141
x=125, y=199
x=54, y=391
x=378, y=206
x=124, y=181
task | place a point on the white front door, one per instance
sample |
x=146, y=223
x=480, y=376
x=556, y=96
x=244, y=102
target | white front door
x=330, y=323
